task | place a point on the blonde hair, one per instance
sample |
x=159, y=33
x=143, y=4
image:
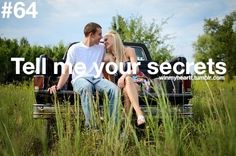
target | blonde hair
x=118, y=47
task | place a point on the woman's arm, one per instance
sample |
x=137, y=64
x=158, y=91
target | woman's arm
x=131, y=55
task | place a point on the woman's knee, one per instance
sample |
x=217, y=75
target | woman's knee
x=128, y=80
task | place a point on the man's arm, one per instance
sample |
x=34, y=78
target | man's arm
x=63, y=78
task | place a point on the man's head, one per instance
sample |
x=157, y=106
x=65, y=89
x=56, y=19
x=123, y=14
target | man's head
x=93, y=31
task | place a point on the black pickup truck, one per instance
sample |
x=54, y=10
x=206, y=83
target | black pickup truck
x=177, y=92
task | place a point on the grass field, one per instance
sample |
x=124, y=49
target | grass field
x=211, y=131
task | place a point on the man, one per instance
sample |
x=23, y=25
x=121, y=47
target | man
x=88, y=52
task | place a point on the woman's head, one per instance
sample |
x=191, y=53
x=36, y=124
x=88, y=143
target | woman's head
x=114, y=45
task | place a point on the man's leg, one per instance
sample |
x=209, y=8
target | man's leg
x=113, y=93
x=85, y=90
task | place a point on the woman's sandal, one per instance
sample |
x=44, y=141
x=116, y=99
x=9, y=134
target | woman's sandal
x=140, y=120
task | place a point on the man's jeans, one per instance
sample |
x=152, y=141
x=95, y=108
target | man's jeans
x=86, y=86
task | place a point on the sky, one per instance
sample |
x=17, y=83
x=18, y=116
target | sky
x=64, y=20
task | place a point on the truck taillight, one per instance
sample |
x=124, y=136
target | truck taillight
x=38, y=82
x=187, y=85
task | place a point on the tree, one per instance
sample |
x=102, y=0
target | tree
x=218, y=42
x=12, y=48
x=136, y=30
x=59, y=51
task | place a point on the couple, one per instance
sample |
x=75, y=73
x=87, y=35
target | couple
x=90, y=51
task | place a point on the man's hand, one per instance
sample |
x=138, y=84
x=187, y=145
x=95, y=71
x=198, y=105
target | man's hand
x=53, y=89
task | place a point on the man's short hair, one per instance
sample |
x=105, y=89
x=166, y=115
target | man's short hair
x=91, y=28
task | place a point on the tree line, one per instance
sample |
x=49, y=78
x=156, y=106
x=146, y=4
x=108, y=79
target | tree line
x=10, y=48
x=218, y=42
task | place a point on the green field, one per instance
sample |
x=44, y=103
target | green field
x=211, y=131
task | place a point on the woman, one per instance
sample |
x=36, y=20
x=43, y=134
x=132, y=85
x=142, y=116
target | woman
x=116, y=52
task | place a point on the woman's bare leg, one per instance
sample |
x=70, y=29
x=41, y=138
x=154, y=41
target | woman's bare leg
x=132, y=93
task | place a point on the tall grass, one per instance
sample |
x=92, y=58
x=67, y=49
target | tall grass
x=211, y=130
x=19, y=133
x=214, y=124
